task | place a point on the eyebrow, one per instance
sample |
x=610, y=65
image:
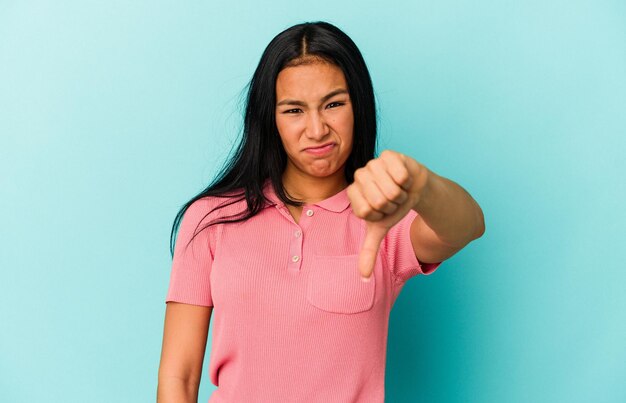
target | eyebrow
x=324, y=98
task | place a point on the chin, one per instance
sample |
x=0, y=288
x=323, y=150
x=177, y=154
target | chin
x=324, y=171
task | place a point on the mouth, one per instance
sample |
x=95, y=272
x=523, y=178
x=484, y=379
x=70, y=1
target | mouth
x=321, y=150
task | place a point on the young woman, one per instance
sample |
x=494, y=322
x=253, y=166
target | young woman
x=303, y=242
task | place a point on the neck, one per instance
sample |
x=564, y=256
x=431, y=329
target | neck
x=311, y=189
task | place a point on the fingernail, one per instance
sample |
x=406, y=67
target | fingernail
x=366, y=279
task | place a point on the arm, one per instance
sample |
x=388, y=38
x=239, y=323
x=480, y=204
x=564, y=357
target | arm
x=387, y=187
x=184, y=343
x=449, y=218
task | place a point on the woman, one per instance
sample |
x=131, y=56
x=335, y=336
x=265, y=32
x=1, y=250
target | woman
x=304, y=241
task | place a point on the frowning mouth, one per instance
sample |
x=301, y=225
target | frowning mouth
x=321, y=150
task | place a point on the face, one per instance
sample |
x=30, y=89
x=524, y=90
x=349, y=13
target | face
x=314, y=119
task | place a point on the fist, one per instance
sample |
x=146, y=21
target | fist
x=382, y=193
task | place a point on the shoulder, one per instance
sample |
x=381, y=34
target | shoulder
x=209, y=208
x=201, y=221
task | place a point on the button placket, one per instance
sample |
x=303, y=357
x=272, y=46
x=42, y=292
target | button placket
x=295, y=249
x=297, y=239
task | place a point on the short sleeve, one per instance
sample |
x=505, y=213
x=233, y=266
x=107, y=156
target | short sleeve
x=191, y=265
x=400, y=255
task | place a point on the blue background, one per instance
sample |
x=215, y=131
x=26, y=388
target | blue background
x=113, y=114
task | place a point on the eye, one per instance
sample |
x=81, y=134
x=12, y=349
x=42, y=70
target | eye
x=330, y=105
x=291, y=110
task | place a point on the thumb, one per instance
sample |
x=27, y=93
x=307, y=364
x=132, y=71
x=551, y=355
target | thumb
x=369, y=250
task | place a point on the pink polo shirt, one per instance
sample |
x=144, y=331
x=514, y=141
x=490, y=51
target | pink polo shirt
x=292, y=320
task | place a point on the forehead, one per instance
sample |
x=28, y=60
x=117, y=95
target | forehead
x=309, y=80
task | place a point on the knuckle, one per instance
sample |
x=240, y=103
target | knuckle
x=380, y=204
x=372, y=163
x=396, y=193
x=402, y=176
x=350, y=191
x=364, y=211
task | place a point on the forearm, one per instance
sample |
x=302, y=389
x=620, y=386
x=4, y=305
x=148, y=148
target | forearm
x=176, y=390
x=450, y=211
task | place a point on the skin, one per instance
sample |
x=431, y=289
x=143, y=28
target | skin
x=388, y=186
x=313, y=108
x=184, y=343
x=382, y=193
x=314, y=123
x=384, y=190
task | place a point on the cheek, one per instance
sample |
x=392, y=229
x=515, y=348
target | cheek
x=347, y=120
x=287, y=134
x=347, y=129
x=282, y=127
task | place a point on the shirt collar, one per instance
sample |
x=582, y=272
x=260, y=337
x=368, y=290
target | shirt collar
x=335, y=203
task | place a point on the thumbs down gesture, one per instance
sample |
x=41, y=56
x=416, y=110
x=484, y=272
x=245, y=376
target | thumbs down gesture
x=383, y=192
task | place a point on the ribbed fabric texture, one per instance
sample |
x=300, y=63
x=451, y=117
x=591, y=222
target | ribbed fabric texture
x=292, y=320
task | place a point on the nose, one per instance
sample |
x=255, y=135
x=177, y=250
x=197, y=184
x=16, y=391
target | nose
x=316, y=128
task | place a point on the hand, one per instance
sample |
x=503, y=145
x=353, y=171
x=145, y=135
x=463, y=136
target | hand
x=382, y=193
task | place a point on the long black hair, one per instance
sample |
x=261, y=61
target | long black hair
x=260, y=154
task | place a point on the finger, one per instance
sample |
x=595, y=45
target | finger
x=386, y=183
x=360, y=206
x=372, y=193
x=397, y=169
x=369, y=250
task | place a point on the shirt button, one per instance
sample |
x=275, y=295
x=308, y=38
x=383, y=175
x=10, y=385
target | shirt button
x=309, y=212
x=295, y=258
x=297, y=233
